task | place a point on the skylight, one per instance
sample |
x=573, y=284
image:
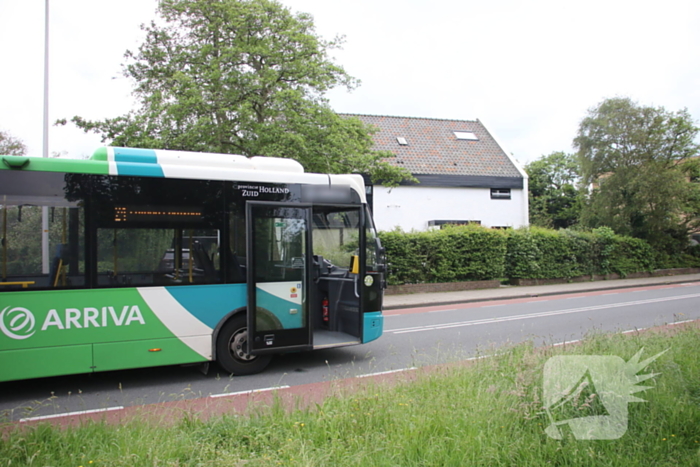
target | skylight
x=467, y=135
x=402, y=141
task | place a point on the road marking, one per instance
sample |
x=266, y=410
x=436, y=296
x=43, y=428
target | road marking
x=252, y=391
x=69, y=414
x=386, y=372
x=575, y=341
x=630, y=331
x=682, y=322
x=544, y=314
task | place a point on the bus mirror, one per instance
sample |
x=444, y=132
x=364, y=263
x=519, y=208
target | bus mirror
x=355, y=264
x=380, y=249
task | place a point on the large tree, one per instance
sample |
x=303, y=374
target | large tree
x=245, y=77
x=11, y=146
x=555, y=200
x=636, y=158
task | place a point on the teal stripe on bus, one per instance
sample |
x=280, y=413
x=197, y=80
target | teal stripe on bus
x=143, y=156
x=143, y=170
x=210, y=303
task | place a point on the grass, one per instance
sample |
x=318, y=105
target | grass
x=487, y=413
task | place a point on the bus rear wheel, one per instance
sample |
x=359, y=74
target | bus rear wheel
x=231, y=348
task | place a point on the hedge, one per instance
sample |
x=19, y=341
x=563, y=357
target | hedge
x=459, y=253
x=470, y=253
x=536, y=253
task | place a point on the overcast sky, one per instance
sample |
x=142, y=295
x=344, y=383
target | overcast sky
x=528, y=70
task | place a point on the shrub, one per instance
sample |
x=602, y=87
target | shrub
x=463, y=253
x=456, y=253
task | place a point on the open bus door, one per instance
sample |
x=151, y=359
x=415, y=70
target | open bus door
x=278, y=277
x=303, y=268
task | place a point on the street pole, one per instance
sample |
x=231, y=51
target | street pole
x=45, y=209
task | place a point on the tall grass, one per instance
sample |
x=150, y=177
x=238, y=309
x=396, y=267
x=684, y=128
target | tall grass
x=487, y=413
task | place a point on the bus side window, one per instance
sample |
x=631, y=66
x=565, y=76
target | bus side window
x=135, y=257
x=21, y=247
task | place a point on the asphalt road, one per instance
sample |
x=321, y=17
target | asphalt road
x=413, y=337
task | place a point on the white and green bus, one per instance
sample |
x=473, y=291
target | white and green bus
x=167, y=257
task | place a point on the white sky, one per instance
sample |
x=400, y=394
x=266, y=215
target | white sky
x=528, y=70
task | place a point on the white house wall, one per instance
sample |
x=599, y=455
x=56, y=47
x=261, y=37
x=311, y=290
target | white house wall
x=412, y=207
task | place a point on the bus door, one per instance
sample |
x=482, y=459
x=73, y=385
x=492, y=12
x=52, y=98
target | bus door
x=278, y=276
x=339, y=260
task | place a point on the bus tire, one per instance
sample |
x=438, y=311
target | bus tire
x=230, y=347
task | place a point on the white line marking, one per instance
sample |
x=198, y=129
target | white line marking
x=630, y=331
x=386, y=372
x=544, y=314
x=69, y=414
x=681, y=322
x=252, y=391
x=442, y=311
x=566, y=342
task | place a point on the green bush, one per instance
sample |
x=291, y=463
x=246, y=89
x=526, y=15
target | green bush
x=536, y=253
x=631, y=255
x=463, y=253
x=459, y=253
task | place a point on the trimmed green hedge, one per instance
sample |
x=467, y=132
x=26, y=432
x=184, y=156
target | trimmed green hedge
x=536, y=253
x=459, y=253
x=468, y=253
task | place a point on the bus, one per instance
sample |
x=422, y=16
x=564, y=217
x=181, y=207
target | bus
x=156, y=257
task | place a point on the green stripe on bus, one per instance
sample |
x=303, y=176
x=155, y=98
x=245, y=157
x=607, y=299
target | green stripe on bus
x=40, y=164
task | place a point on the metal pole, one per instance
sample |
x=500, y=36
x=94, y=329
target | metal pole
x=45, y=209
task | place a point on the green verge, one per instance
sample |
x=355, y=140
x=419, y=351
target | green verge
x=486, y=413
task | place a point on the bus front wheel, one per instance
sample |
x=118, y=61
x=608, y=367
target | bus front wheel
x=231, y=348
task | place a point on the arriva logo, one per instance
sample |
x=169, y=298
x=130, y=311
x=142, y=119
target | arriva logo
x=19, y=323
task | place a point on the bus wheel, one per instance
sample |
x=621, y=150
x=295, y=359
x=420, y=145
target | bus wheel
x=230, y=349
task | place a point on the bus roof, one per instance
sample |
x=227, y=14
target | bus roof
x=162, y=163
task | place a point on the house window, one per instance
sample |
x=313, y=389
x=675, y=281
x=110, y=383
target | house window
x=467, y=135
x=442, y=223
x=402, y=141
x=500, y=193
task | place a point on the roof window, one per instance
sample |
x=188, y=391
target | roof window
x=467, y=135
x=402, y=141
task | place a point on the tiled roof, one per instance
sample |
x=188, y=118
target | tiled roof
x=432, y=147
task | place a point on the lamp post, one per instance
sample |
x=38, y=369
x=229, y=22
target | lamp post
x=45, y=153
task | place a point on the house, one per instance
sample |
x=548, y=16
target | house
x=465, y=175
